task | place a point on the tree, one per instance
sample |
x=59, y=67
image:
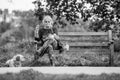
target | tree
x=4, y=27
x=105, y=12
x=60, y=8
x=1, y=11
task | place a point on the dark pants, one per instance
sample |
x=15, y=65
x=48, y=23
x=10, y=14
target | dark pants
x=48, y=47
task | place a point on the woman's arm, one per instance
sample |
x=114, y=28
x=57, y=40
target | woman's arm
x=55, y=33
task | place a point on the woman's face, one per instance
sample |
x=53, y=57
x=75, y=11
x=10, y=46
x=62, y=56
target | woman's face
x=47, y=22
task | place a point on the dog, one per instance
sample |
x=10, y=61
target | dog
x=16, y=61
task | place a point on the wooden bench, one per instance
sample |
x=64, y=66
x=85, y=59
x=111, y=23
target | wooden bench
x=96, y=41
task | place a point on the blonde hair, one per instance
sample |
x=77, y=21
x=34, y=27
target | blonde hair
x=48, y=19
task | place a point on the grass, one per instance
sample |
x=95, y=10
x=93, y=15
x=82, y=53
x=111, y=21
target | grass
x=85, y=57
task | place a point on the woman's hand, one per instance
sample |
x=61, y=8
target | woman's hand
x=56, y=37
x=51, y=36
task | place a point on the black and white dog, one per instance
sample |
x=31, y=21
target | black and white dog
x=16, y=61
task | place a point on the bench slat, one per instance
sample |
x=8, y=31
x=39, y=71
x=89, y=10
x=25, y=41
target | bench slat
x=83, y=33
x=83, y=52
x=87, y=44
x=83, y=40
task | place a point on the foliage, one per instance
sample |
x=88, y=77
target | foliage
x=60, y=8
x=27, y=17
x=27, y=23
x=102, y=12
x=4, y=27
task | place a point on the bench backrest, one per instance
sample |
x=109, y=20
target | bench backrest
x=95, y=41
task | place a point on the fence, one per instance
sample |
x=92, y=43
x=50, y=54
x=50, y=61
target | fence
x=90, y=41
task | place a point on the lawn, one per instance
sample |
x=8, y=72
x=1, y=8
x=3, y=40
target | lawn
x=78, y=57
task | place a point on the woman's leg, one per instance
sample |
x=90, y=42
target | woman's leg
x=42, y=50
x=50, y=55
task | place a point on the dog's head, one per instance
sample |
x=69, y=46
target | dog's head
x=19, y=57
